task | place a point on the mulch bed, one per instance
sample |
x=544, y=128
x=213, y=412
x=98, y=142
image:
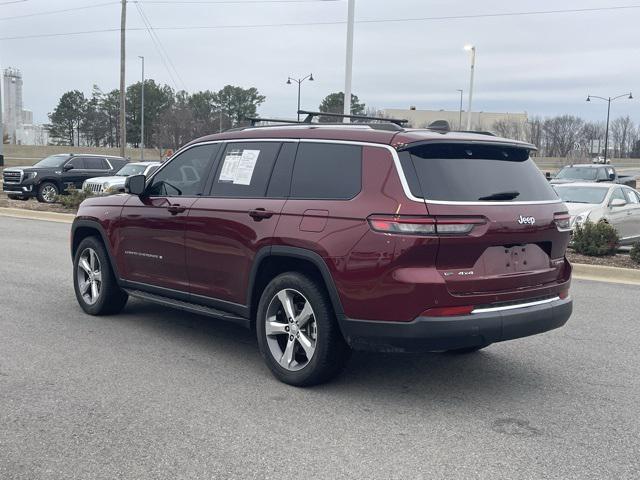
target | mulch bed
x=32, y=204
x=621, y=260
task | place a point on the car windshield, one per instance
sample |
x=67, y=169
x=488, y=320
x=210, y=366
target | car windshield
x=593, y=195
x=578, y=173
x=52, y=161
x=131, y=170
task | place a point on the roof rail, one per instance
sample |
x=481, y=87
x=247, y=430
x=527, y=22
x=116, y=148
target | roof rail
x=256, y=120
x=312, y=115
x=479, y=132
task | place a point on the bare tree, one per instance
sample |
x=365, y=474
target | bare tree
x=509, y=128
x=562, y=133
x=621, y=129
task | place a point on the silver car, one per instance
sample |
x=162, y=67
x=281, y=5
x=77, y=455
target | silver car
x=115, y=184
x=618, y=205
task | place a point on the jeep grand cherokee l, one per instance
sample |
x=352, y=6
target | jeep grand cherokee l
x=330, y=238
x=53, y=175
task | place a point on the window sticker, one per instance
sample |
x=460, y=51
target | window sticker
x=238, y=167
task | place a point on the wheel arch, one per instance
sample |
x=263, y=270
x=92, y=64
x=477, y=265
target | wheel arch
x=83, y=228
x=272, y=261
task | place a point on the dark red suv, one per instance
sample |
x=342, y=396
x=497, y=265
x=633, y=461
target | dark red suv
x=325, y=238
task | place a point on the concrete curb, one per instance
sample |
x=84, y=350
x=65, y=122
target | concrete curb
x=37, y=215
x=601, y=273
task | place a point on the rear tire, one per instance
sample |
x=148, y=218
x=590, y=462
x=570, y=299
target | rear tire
x=94, y=282
x=298, y=333
x=47, y=192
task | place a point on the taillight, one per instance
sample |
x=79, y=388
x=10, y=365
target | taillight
x=424, y=225
x=562, y=221
x=448, y=311
x=564, y=294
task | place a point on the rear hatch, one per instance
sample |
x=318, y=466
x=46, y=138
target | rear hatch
x=501, y=226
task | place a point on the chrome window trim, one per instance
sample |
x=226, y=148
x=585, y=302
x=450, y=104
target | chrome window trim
x=394, y=155
x=514, y=307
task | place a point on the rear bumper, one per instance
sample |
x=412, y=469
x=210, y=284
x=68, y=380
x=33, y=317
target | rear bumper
x=447, y=333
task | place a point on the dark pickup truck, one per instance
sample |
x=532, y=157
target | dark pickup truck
x=53, y=175
x=592, y=173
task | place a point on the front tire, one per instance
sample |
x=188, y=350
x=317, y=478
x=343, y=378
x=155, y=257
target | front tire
x=94, y=282
x=47, y=192
x=298, y=333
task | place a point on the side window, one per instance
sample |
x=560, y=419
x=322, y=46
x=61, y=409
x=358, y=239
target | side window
x=602, y=174
x=185, y=174
x=324, y=170
x=631, y=196
x=77, y=162
x=245, y=169
x=617, y=194
x=150, y=170
x=95, y=163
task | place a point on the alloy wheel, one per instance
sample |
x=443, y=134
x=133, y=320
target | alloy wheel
x=291, y=329
x=89, y=276
x=49, y=193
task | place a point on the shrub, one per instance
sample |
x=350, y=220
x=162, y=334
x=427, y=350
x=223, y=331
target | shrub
x=635, y=252
x=74, y=198
x=595, y=239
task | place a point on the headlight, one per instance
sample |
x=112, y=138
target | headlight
x=105, y=186
x=581, y=218
x=29, y=175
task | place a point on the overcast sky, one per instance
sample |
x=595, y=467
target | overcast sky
x=541, y=64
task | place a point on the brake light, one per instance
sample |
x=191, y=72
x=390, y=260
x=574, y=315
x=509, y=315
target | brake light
x=562, y=221
x=448, y=311
x=564, y=294
x=424, y=225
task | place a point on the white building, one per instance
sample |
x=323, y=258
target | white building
x=480, y=121
x=18, y=122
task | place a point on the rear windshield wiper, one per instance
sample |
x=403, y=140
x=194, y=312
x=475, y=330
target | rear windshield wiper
x=501, y=196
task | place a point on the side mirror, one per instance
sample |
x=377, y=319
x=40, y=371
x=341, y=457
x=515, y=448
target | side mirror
x=548, y=175
x=135, y=184
x=617, y=202
x=612, y=176
x=68, y=167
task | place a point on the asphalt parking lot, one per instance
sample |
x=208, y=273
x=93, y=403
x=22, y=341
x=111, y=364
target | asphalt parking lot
x=157, y=393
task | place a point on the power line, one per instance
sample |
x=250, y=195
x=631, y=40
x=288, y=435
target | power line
x=13, y=1
x=52, y=12
x=340, y=22
x=160, y=48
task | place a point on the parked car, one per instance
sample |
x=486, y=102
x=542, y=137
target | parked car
x=600, y=159
x=115, y=184
x=592, y=173
x=615, y=204
x=326, y=238
x=53, y=175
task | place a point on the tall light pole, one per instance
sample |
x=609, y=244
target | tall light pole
x=1, y=124
x=299, y=82
x=472, y=50
x=460, y=116
x=348, y=70
x=142, y=112
x=609, y=100
x=123, y=103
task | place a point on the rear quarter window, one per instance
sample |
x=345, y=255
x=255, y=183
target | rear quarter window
x=472, y=173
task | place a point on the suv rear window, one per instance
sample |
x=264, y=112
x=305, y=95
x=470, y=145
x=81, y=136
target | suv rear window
x=472, y=173
x=327, y=171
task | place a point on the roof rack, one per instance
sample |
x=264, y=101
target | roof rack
x=312, y=115
x=255, y=120
x=479, y=132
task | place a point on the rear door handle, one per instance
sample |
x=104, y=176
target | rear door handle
x=260, y=213
x=175, y=209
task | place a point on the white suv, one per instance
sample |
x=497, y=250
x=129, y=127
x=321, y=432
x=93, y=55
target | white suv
x=115, y=184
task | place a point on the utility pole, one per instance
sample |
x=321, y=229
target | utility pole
x=123, y=118
x=348, y=71
x=460, y=113
x=142, y=113
x=1, y=124
x=472, y=49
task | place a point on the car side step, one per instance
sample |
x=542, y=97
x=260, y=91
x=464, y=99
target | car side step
x=189, y=307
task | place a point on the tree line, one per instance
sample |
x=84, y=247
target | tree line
x=171, y=118
x=571, y=136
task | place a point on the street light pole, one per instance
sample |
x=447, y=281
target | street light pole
x=348, y=71
x=299, y=82
x=142, y=112
x=460, y=116
x=609, y=100
x=123, y=103
x=472, y=49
